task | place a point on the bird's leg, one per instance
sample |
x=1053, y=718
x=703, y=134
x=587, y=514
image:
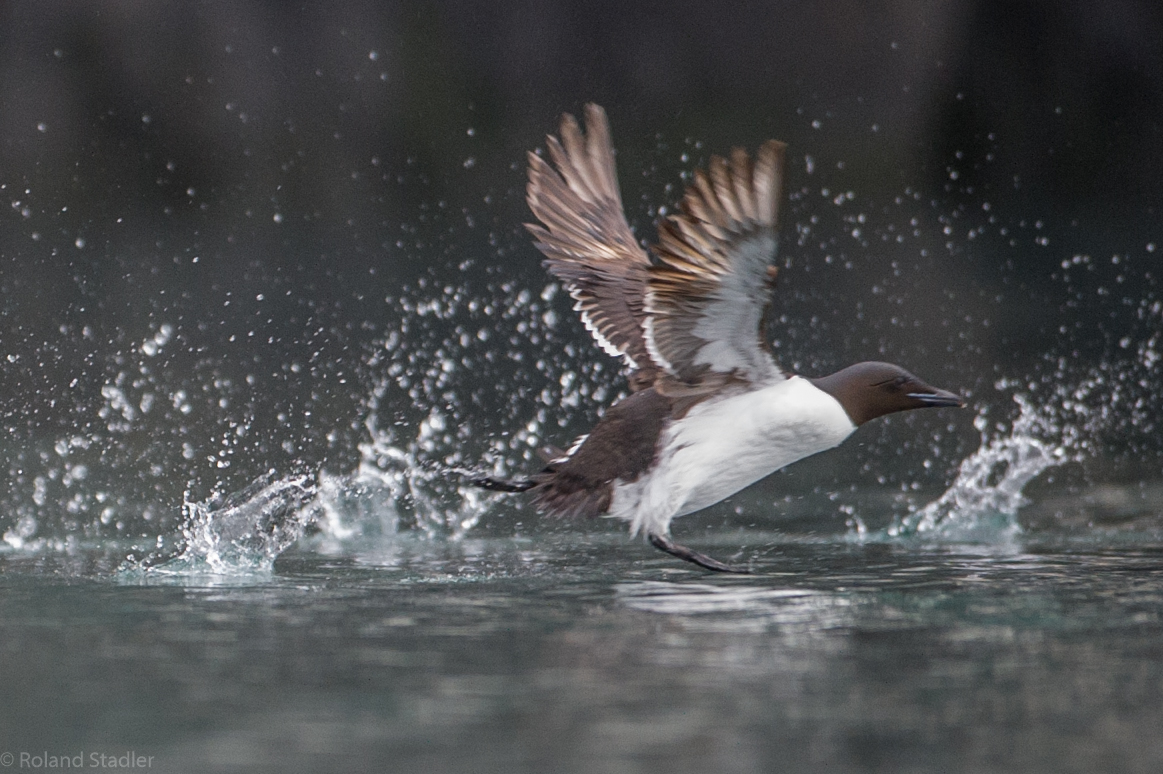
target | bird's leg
x=663, y=543
x=502, y=484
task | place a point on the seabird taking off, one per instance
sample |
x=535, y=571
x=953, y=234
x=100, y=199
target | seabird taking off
x=710, y=412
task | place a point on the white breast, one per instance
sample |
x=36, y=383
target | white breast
x=725, y=444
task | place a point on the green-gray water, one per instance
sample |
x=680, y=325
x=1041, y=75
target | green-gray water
x=594, y=655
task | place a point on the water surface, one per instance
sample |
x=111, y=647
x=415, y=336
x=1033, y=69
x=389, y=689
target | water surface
x=595, y=653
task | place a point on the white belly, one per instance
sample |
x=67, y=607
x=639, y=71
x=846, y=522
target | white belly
x=726, y=444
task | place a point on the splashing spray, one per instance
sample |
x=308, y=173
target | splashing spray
x=242, y=533
x=983, y=502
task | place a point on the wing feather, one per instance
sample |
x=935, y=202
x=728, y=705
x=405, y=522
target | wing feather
x=585, y=238
x=707, y=296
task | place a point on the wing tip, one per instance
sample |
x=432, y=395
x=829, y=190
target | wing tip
x=595, y=115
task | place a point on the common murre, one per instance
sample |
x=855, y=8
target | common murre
x=710, y=412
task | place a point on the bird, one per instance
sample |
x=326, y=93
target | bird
x=709, y=411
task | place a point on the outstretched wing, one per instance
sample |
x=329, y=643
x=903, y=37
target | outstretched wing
x=707, y=296
x=585, y=238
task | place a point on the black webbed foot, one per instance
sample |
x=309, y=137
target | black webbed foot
x=694, y=557
x=502, y=484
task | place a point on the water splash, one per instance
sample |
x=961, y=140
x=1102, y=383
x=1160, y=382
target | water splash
x=400, y=484
x=20, y=534
x=465, y=379
x=1066, y=425
x=415, y=489
x=242, y=533
x=982, y=503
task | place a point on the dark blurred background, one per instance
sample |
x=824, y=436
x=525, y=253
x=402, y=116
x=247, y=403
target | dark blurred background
x=213, y=210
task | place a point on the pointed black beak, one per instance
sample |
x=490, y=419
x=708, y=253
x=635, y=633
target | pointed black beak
x=938, y=398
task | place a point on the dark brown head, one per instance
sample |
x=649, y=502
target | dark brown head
x=871, y=390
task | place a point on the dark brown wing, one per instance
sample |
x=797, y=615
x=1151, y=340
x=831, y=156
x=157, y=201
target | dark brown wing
x=621, y=446
x=706, y=297
x=585, y=238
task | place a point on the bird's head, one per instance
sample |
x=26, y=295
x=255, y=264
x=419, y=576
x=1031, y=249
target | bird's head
x=872, y=389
